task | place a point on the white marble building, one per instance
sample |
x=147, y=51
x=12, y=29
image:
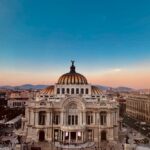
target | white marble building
x=71, y=111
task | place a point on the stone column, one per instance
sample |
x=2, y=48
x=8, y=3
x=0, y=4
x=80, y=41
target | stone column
x=80, y=120
x=93, y=117
x=63, y=136
x=36, y=118
x=47, y=118
x=76, y=137
x=84, y=118
x=50, y=118
x=64, y=116
x=108, y=119
x=61, y=118
x=69, y=136
x=82, y=136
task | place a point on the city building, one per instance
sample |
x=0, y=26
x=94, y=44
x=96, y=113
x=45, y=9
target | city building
x=144, y=91
x=19, y=98
x=71, y=111
x=138, y=107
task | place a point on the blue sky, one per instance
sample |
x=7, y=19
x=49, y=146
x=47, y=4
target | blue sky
x=36, y=36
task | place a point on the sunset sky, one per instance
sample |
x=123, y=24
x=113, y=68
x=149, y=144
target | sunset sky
x=109, y=41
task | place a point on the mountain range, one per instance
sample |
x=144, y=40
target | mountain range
x=41, y=86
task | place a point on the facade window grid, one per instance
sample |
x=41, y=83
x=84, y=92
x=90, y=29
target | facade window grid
x=73, y=120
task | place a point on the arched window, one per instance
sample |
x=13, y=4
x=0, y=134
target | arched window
x=72, y=114
x=103, y=116
x=63, y=91
x=68, y=91
x=87, y=91
x=82, y=91
x=77, y=91
x=42, y=115
x=58, y=90
x=72, y=91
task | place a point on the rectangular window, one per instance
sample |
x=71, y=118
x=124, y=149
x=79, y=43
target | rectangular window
x=87, y=91
x=72, y=120
x=102, y=123
x=69, y=120
x=76, y=120
x=58, y=90
x=82, y=91
x=88, y=119
x=77, y=91
x=63, y=91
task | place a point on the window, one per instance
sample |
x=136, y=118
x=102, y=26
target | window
x=69, y=120
x=56, y=119
x=87, y=91
x=103, y=118
x=42, y=117
x=68, y=91
x=58, y=90
x=63, y=91
x=73, y=120
x=82, y=91
x=72, y=91
x=89, y=118
x=76, y=119
x=77, y=91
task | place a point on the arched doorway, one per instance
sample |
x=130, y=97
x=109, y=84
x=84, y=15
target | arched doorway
x=103, y=136
x=41, y=135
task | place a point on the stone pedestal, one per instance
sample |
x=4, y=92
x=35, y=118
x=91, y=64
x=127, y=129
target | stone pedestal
x=129, y=147
x=18, y=147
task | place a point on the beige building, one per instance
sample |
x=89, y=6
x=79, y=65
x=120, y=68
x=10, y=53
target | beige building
x=19, y=98
x=138, y=107
x=71, y=111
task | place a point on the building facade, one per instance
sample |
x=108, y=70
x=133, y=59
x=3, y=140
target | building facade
x=19, y=98
x=71, y=111
x=138, y=107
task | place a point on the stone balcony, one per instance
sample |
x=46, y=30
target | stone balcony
x=73, y=128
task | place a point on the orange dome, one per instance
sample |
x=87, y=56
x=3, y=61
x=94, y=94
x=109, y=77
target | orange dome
x=72, y=77
x=48, y=91
x=96, y=91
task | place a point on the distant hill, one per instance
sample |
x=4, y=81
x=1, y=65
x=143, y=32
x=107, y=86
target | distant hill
x=41, y=86
x=124, y=89
x=24, y=87
x=103, y=87
x=118, y=89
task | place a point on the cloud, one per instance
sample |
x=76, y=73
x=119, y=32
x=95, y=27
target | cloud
x=117, y=70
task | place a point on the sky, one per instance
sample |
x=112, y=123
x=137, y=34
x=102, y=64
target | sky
x=109, y=41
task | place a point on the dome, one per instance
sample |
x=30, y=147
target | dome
x=48, y=91
x=96, y=91
x=72, y=77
